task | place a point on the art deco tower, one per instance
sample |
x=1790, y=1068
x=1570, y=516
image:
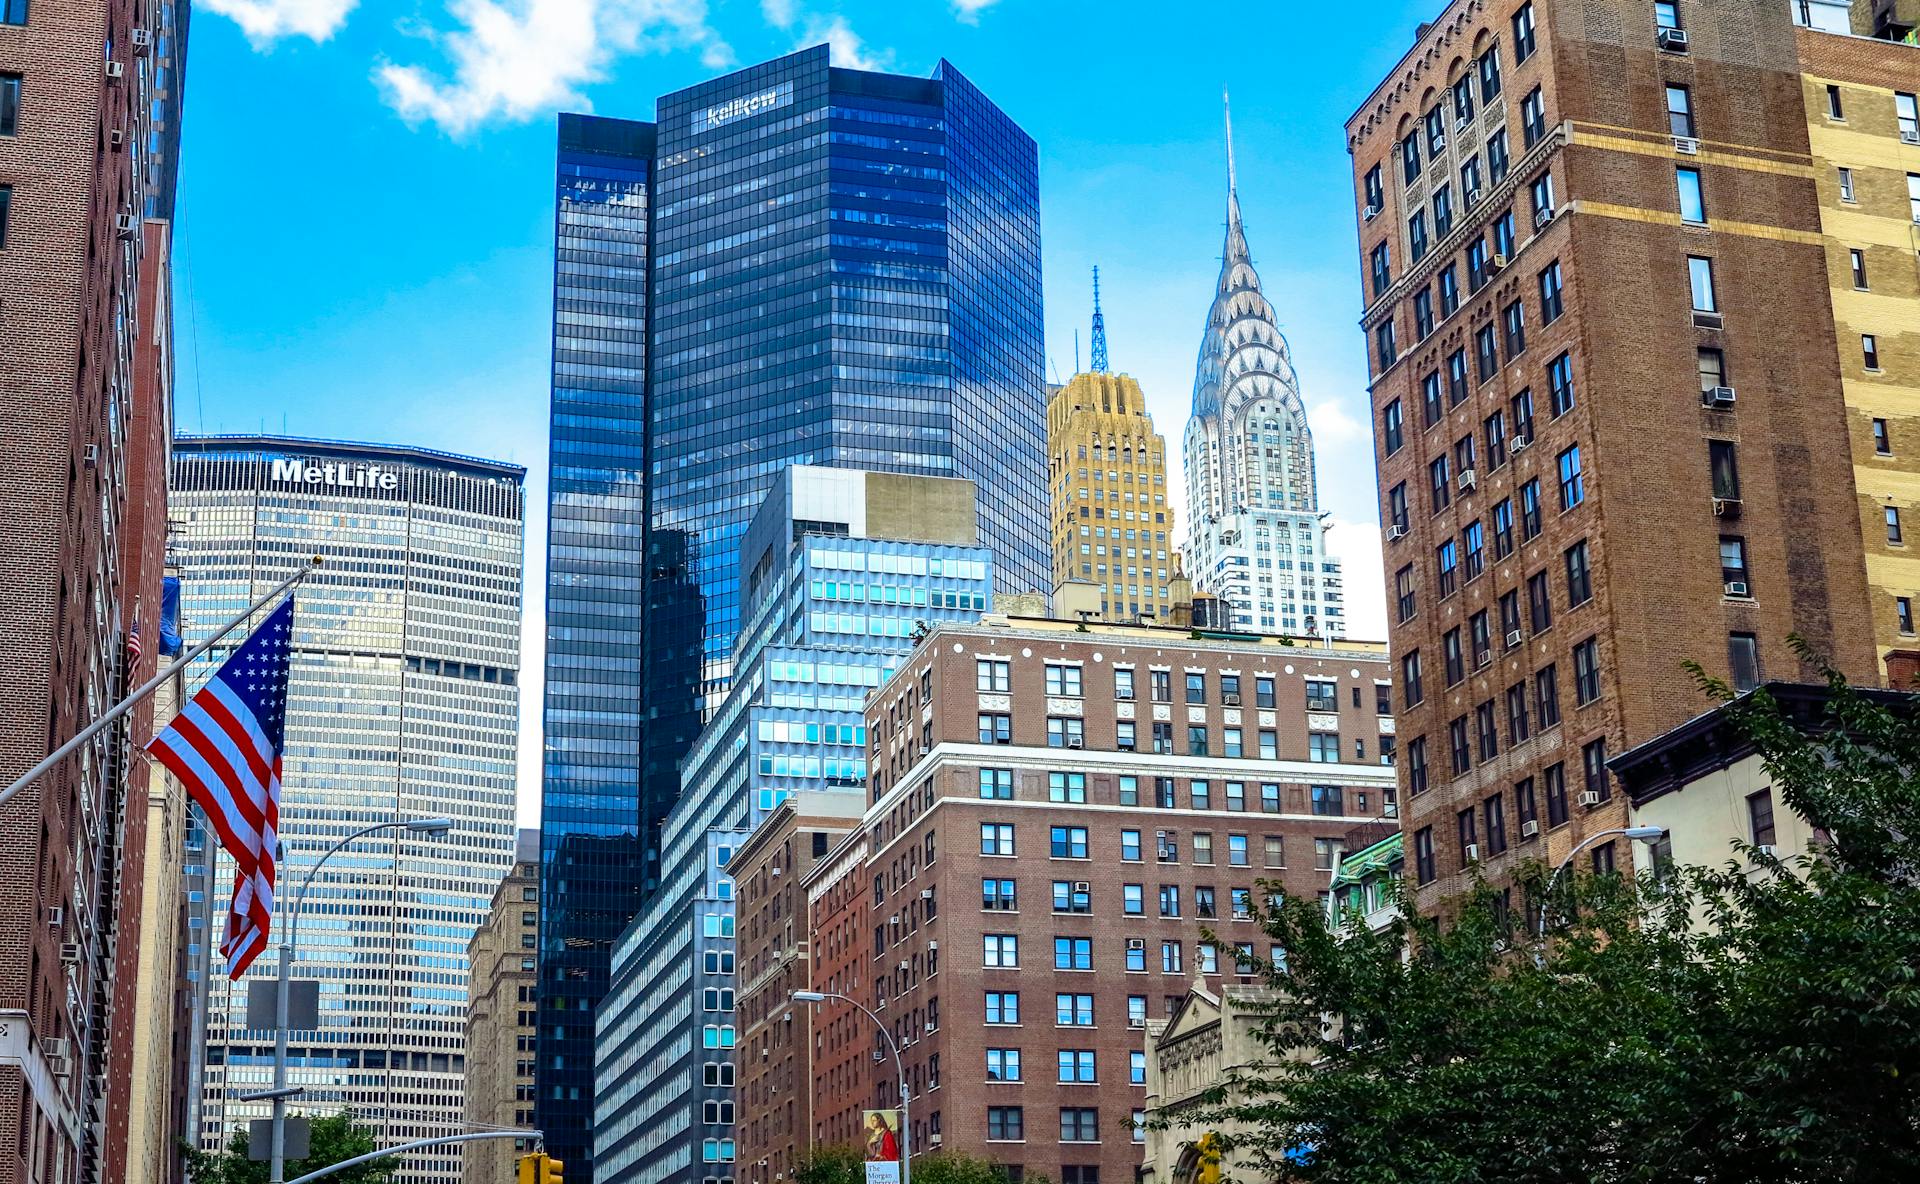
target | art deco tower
x=1256, y=537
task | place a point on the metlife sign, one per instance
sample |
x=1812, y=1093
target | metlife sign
x=332, y=474
x=724, y=113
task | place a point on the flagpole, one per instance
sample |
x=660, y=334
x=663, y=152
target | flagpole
x=151, y=685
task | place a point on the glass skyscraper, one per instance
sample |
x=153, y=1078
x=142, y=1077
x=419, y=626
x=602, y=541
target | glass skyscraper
x=797, y=264
x=403, y=703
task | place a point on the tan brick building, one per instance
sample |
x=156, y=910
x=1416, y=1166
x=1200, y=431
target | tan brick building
x=1593, y=263
x=1104, y=458
x=502, y=1015
x=838, y=904
x=774, y=1054
x=1863, y=122
x=86, y=410
x=1057, y=815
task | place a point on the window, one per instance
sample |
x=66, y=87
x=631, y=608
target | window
x=6, y=211
x=1068, y=842
x=1743, y=659
x=1079, y=1124
x=1006, y=1122
x=1700, y=276
x=1443, y=211
x=1379, y=263
x=1530, y=509
x=1523, y=33
x=991, y=675
x=1546, y=696
x=1733, y=563
x=1328, y=800
x=1541, y=191
x=1680, y=111
x=1760, y=818
x=1882, y=442
x=1376, y=193
x=1237, y=851
x=1586, y=671
x=1518, y=728
x=1666, y=14
x=1263, y=691
x=1076, y=1066
x=1560, y=384
x=1869, y=345
x=1405, y=597
x=1456, y=662
x=1693, y=203
x=1130, y=845
x=1449, y=291
x=1457, y=742
x=996, y=784
x=1417, y=236
x=1503, y=235
x=1456, y=378
x=1522, y=407
x=1474, y=541
x=1857, y=264
x=1169, y=900
x=1393, y=428
x=1593, y=765
x=1073, y=953
x=1423, y=314
x=1170, y=957
x=1713, y=368
x=1423, y=855
x=1510, y=615
x=1463, y=98
x=1724, y=464
x=1913, y=195
x=1486, y=730
x=1551, y=304
x=1533, y=118
x=1498, y=159
x=997, y=895
x=1063, y=680
x=1906, y=110
x=1486, y=353
x=1003, y=1064
x=1903, y=614
x=13, y=12
x=996, y=838
x=1834, y=108
x=1067, y=787
x=1410, y=690
x=1417, y=766
x=1496, y=427
x=1439, y=483
x=1397, y=506
x=1436, y=121
x=1072, y=896
x=1482, y=643
x=1846, y=186
x=1003, y=1007
x=1273, y=851
x=1479, y=270
x=1556, y=789
x=9, y=104
x=996, y=728
x=1573, y=489
x=1202, y=847
x=1410, y=157
x=1000, y=950
x=1125, y=737
x=1513, y=321
x=1490, y=75
x=1579, y=577
x=1065, y=732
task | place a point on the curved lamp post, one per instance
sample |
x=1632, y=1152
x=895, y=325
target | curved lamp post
x=277, y=1165
x=1644, y=834
x=906, y=1124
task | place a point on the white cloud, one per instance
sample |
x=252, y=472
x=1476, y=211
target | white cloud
x=265, y=21
x=844, y=46
x=1332, y=423
x=1362, y=570
x=781, y=14
x=519, y=59
x=968, y=11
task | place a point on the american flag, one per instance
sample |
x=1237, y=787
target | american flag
x=225, y=747
x=134, y=649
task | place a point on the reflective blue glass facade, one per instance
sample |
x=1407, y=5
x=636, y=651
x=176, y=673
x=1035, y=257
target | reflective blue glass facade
x=591, y=820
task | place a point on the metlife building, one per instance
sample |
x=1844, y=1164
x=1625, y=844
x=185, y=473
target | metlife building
x=403, y=704
x=795, y=264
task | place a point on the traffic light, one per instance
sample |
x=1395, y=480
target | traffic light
x=541, y=1168
x=550, y=1169
x=530, y=1168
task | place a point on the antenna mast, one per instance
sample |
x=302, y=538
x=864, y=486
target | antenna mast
x=1099, y=362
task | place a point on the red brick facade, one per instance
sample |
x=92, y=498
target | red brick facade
x=842, y=1040
x=1588, y=108
x=1065, y=862
x=82, y=490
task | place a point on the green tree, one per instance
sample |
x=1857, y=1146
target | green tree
x=1779, y=1042
x=335, y=1137
x=847, y=1165
x=831, y=1165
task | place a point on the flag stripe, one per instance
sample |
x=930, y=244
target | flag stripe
x=238, y=723
x=186, y=763
x=216, y=781
x=204, y=730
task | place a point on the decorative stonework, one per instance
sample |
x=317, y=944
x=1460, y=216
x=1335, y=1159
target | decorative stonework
x=996, y=702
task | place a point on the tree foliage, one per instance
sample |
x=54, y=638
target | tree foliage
x=335, y=1137
x=847, y=1165
x=1777, y=1042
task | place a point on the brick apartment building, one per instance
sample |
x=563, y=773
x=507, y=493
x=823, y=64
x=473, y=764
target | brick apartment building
x=502, y=1011
x=839, y=902
x=1610, y=433
x=85, y=157
x=775, y=1045
x=1861, y=98
x=1058, y=812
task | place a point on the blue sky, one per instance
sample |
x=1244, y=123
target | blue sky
x=366, y=212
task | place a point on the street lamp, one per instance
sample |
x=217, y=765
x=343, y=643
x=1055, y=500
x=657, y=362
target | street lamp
x=277, y=1166
x=1644, y=834
x=899, y=1069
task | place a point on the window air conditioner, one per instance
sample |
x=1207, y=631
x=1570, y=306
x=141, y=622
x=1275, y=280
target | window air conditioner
x=1136, y=943
x=1726, y=507
x=142, y=38
x=1230, y=699
x=125, y=225
x=56, y=916
x=1702, y=319
x=116, y=137
x=1136, y=1021
x=1910, y=137
x=1440, y=142
x=1687, y=145
x=1718, y=396
x=905, y=965
x=1520, y=444
x=932, y=1027
x=1542, y=216
x=1499, y=260
x=70, y=952
x=1396, y=531
x=1529, y=828
x=116, y=69
x=1075, y=742
x=934, y=944
x=1468, y=479
x=926, y=894
x=934, y=1138
x=1737, y=588
x=1471, y=852
x=1763, y=849
x=90, y=455
x=1372, y=211
x=1473, y=197
x=1672, y=40
x=1590, y=797
x=1082, y=886
x=1514, y=638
